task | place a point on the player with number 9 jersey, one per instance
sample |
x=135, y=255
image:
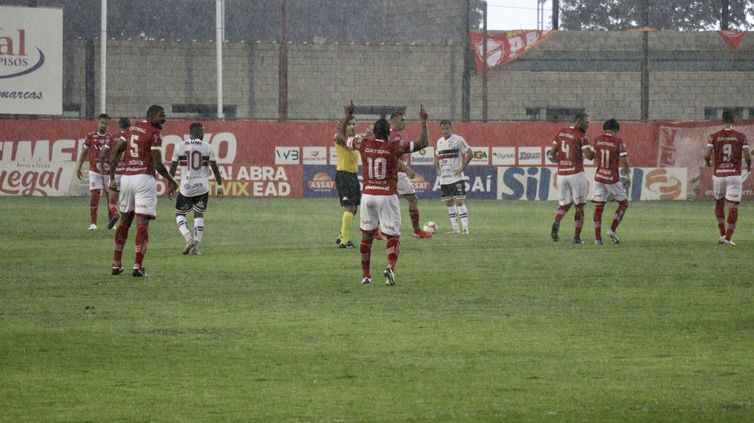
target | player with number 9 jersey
x=727, y=147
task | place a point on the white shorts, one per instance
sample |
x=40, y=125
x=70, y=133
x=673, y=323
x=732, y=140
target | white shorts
x=728, y=187
x=603, y=193
x=380, y=210
x=138, y=193
x=572, y=189
x=404, y=184
x=98, y=181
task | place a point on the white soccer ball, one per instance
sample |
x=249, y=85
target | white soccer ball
x=430, y=227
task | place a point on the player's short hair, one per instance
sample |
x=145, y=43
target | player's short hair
x=396, y=113
x=381, y=129
x=154, y=109
x=580, y=116
x=195, y=128
x=103, y=116
x=445, y=122
x=124, y=123
x=728, y=116
x=611, y=125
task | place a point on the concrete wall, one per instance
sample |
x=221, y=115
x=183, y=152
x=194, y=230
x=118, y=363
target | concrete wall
x=597, y=71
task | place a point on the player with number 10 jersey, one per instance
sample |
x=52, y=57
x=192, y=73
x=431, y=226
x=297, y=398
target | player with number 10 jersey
x=379, y=200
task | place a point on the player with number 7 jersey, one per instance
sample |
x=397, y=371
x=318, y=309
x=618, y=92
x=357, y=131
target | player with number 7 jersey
x=379, y=201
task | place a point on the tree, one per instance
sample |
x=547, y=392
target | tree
x=674, y=15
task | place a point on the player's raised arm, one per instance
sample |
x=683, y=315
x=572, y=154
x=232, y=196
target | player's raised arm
x=340, y=138
x=423, y=140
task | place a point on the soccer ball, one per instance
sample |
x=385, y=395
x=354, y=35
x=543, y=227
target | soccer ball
x=430, y=227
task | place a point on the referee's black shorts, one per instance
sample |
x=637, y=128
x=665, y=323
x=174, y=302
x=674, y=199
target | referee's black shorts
x=348, y=187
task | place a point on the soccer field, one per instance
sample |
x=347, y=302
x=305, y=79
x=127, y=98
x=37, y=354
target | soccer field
x=272, y=325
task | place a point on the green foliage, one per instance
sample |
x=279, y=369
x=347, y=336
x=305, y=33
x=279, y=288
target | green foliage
x=272, y=325
x=675, y=15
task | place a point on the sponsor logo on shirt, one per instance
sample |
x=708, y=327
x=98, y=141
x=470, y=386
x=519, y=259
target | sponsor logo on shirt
x=425, y=156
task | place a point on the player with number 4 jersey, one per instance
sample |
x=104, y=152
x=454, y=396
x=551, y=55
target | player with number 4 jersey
x=379, y=201
x=568, y=149
x=728, y=147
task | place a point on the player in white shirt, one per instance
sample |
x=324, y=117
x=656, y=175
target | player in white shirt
x=195, y=156
x=452, y=155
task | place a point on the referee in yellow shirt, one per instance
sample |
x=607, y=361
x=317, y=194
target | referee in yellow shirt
x=347, y=183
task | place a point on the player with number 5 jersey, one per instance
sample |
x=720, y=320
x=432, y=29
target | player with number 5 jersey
x=379, y=201
x=138, y=186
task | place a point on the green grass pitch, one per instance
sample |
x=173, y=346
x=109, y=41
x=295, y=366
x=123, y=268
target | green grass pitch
x=272, y=325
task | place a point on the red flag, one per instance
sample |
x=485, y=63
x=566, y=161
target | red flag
x=733, y=38
x=507, y=46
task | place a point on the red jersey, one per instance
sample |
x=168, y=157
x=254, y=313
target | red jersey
x=379, y=160
x=571, y=143
x=396, y=136
x=141, y=139
x=608, y=149
x=120, y=168
x=94, y=144
x=727, y=150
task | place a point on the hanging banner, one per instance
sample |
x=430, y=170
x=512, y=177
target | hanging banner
x=31, y=61
x=732, y=38
x=506, y=46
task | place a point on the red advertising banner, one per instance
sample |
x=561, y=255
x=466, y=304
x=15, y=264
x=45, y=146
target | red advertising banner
x=294, y=159
x=505, y=47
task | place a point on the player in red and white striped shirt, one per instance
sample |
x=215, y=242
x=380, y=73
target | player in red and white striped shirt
x=728, y=147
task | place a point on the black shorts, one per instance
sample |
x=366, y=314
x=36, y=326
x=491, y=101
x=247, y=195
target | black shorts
x=455, y=190
x=198, y=203
x=348, y=187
